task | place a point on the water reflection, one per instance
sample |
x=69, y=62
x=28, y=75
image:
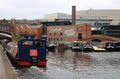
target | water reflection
x=77, y=65
x=69, y=59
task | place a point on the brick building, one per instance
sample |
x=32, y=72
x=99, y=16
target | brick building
x=68, y=33
x=7, y=25
x=26, y=29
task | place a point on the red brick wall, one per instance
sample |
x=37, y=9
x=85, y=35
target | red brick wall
x=25, y=29
x=69, y=33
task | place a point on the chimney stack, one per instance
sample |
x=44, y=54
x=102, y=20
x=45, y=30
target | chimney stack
x=73, y=15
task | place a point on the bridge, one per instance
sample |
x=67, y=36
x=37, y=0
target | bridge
x=102, y=38
x=6, y=35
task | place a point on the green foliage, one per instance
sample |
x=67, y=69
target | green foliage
x=17, y=37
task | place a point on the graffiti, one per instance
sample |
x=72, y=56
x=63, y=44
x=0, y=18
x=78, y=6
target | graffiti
x=69, y=32
x=55, y=29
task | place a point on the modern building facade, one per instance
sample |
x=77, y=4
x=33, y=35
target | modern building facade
x=91, y=16
x=57, y=17
x=111, y=30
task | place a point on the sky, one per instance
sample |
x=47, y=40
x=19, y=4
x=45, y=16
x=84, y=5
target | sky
x=36, y=9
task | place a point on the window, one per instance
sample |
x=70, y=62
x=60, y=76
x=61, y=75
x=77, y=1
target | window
x=79, y=36
x=39, y=44
x=7, y=28
x=57, y=39
x=61, y=33
x=54, y=39
x=95, y=24
x=27, y=43
x=104, y=23
x=49, y=33
x=61, y=39
x=51, y=39
x=48, y=39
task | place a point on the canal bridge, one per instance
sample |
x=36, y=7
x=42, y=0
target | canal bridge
x=101, y=38
x=5, y=35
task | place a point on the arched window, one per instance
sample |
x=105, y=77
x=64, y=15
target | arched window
x=79, y=35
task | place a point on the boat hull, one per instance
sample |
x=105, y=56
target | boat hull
x=88, y=49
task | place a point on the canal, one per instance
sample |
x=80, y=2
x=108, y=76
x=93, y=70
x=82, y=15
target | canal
x=75, y=65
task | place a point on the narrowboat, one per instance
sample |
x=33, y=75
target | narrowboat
x=61, y=47
x=27, y=52
x=87, y=47
x=77, y=45
x=117, y=46
x=100, y=47
x=51, y=47
x=110, y=46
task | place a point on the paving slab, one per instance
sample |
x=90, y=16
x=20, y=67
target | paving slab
x=6, y=69
x=2, y=71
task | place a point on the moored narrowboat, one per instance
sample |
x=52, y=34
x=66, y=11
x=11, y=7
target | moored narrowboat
x=117, y=46
x=51, y=47
x=87, y=47
x=100, y=47
x=109, y=46
x=77, y=45
x=61, y=47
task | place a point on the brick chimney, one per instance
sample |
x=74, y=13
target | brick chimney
x=73, y=15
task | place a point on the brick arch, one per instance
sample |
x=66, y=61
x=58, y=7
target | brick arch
x=97, y=40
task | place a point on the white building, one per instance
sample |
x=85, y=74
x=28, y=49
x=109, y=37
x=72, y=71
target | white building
x=91, y=16
x=57, y=16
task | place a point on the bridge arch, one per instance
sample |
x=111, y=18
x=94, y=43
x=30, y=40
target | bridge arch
x=96, y=40
x=6, y=35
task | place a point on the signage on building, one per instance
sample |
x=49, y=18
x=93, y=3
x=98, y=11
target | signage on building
x=55, y=29
x=92, y=17
x=69, y=32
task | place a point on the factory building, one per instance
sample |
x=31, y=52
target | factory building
x=68, y=33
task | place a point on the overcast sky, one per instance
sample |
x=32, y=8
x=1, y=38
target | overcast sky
x=36, y=9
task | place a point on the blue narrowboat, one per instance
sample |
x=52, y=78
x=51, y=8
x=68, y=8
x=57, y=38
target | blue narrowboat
x=110, y=46
x=28, y=52
x=117, y=46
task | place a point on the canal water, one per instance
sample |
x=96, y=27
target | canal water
x=75, y=65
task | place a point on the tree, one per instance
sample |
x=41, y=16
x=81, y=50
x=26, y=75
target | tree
x=17, y=37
